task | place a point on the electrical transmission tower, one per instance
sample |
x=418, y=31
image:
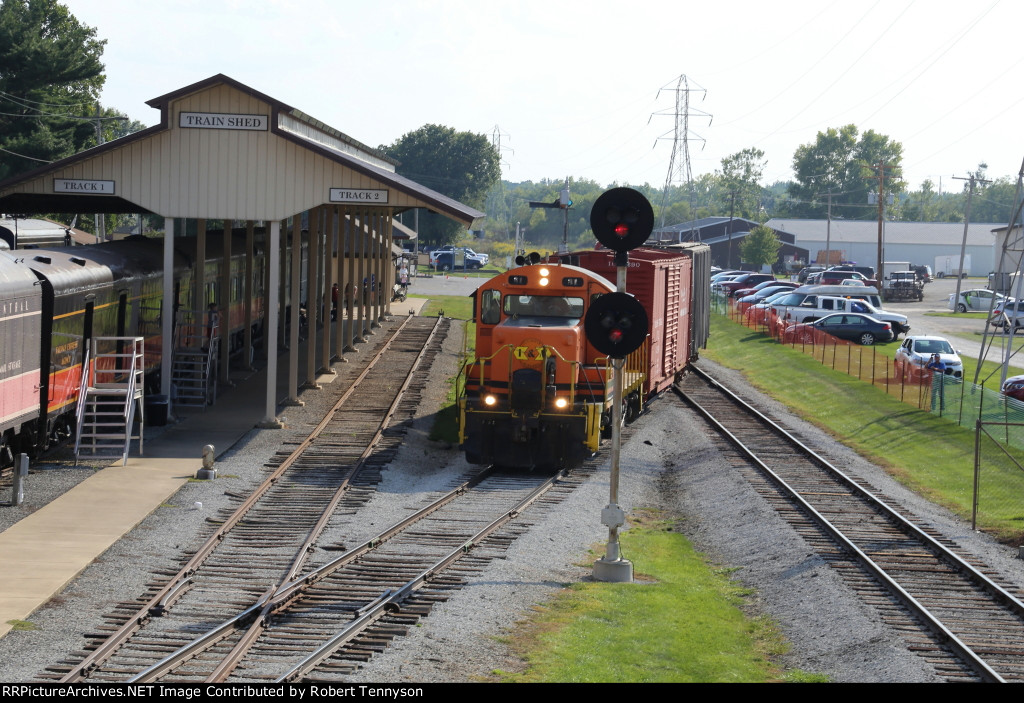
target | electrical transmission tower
x=679, y=163
x=503, y=211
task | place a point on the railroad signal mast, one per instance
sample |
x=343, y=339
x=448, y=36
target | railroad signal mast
x=563, y=202
x=616, y=324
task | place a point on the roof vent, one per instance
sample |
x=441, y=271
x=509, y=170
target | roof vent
x=42, y=259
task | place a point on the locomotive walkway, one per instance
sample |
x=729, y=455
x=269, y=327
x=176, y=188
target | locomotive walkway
x=42, y=553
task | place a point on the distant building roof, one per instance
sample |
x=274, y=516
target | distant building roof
x=852, y=231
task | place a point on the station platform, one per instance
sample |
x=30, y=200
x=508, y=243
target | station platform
x=45, y=551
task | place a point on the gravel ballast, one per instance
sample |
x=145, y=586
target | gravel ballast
x=670, y=463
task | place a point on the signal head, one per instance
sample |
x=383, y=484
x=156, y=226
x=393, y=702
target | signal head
x=616, y=324
x=622, y=219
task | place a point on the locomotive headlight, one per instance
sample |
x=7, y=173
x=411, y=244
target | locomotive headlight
x=543, y=281
x=545, y=273
x=490, y=400
x=561, y=403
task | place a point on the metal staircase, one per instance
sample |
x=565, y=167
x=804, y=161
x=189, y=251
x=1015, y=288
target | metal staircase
x=194, y=371
x=109, y=395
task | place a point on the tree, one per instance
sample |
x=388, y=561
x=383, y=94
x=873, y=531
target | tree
x=461, y=165
x=846, y=163
x=740, y=181
x=50, y=77
x=760, y=247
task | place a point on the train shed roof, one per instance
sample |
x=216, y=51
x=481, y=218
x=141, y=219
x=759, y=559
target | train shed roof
x=223, y=150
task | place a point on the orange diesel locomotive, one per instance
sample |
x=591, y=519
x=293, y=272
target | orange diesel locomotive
x=538, y=394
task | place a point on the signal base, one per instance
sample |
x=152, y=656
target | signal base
x=613, y=571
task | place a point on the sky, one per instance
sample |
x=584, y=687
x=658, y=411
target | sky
x=589, y=89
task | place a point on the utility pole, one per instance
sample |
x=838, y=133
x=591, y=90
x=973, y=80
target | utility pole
x=881, y=216
x=828, y=231
x=732, y=207
x=963, y=244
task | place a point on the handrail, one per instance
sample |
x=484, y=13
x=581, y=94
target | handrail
x=83, y=385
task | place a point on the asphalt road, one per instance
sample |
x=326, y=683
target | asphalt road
x=453, y=283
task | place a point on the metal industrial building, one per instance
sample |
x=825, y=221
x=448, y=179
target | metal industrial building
x=725, y=235
x=922, y=243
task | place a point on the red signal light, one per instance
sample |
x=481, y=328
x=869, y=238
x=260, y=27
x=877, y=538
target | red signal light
x=622, y=229
x=615, y=336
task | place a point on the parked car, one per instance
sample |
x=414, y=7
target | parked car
x=913, y=355
x=862, y=329
x=478, y=260
x=1007, y=312
x=802, y=305
x=445, y=261
x=835, y=277
x=767, y=291
x=745, y=281
x=1013, y=387
x=815, y=307
x=717, y=282
x=807, y=271
x=867, y=272
x=976, y=299
x=761, y=312
x=923, y=272
x=770, y=283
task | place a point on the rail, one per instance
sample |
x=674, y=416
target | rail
x=975, y=576
x=164, y=597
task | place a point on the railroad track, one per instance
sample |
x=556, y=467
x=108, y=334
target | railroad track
x=965, y=623
x=257, y=603
x=267, y=539
x=323, y=625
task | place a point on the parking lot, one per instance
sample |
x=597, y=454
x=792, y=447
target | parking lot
x=965, y=333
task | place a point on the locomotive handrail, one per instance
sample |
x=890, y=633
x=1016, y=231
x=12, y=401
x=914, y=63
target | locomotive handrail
x=638, y=360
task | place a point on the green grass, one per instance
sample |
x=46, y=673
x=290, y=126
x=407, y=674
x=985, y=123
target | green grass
x=22, y=625
x=681, y=621
x=961, y=315
x=459, y=307
x=929, y=454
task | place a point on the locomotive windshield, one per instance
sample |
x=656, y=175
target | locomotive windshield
x=545, y=309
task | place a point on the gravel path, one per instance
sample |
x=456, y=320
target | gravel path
x=670, y=463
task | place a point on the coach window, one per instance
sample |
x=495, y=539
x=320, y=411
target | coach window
x=490, y=307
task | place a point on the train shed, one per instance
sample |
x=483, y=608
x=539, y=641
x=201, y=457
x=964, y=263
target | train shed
x=223, y=151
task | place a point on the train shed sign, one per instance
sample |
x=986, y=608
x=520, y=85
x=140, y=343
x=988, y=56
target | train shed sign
x=212, y=120
x=82, y=186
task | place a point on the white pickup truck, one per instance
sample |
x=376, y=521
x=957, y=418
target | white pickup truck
x=815, y=307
